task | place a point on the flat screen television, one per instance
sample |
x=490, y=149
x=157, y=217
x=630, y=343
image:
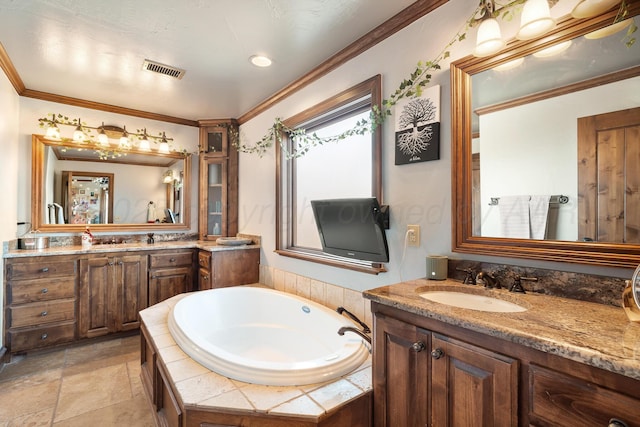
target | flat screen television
x=353, y=228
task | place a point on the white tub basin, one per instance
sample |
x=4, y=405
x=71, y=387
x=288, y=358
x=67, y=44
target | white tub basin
x=472, y=301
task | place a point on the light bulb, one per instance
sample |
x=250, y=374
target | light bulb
x=78, y=134
x=144, y=142
x=163, y=147
x=124, y=139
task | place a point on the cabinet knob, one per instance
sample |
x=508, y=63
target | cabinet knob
x=120, y=262
x=44, y=290
x=110, y=262
x=418, y=346
x=614, y=422
x=437, y=353
x=207, y=278
x=44, y=313
x=172, y=260
x=44, y=336
x=45, y=269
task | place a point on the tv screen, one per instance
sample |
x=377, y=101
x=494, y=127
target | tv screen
x=352, y=228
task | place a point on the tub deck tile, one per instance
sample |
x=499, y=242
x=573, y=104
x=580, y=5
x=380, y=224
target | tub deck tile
x=335, y=394
x=302, y=405
x=202, y=387
x=264, y=398
x=233, y=399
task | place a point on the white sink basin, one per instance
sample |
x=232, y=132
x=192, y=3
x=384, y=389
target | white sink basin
x=472, y=301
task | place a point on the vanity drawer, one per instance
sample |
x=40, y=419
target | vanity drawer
x=175, y=259
x=204, y=259
x=21, y=292
x=42, y=312
x=560, y=399
x=41, y=268
x=44, y=336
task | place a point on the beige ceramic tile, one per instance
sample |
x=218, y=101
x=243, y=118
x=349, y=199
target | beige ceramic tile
x=185, y=368
x=362, y=379
x=37, y=419
x=266, y=276
x=335, y=394
x=25, y=399
x=290, y=280
x=303, y=287
x=278, y=280
x=335, y=296
x=38, y=362
x=203, y=387
x=136, y=412
x=354, y=302
x=163, y=340
x=233, y=399
x=264, y=397
x=302, y=405
x=172, y=353
x=318, y=292
x=92, y=390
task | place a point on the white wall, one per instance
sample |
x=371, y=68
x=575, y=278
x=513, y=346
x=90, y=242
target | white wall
x=417, y=194
x=9, y=110
x=32, y=109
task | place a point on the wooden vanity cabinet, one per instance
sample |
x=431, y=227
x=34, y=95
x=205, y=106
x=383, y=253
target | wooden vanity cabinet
x=170, y=274
x=425, y=378
x=40, y=306
x=220, y=269
x=113, y=289
x=428, y=373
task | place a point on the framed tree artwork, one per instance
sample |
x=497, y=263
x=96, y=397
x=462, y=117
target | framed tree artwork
x=417, y=128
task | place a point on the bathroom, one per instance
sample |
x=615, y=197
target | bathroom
x=418, y=194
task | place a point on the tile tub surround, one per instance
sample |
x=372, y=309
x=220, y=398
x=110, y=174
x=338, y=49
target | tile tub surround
x=597, y=335
x=580, y=286
x=332, y=296
x=200, y=387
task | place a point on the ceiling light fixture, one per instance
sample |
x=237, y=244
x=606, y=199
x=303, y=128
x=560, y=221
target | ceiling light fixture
x=260, y=61
x=83, y=134
x=535, y=20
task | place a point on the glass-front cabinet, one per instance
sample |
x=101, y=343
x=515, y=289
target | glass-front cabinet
x=218, y=182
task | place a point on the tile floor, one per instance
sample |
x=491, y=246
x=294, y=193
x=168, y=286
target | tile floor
x=93, y=384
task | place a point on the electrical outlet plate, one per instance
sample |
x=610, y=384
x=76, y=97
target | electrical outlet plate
x=414, y=235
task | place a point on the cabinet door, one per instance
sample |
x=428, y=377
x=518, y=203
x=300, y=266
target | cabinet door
x=233, y=268
x=131, y=286
x=400, y=374
x=472, y=386
x=97, y=297
x=213, y=197
x=165, y=283
x=204, y=279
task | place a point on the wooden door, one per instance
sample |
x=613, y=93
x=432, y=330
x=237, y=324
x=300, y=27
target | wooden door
x=131, y=286
x=609, y=177
x=166, y=283
x=96, y=297
x=401, y=365
x=471, y=386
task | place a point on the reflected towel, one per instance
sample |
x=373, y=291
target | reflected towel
x=538, y=214
x=514, y=216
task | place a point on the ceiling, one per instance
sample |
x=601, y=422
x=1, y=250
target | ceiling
x=94, y=49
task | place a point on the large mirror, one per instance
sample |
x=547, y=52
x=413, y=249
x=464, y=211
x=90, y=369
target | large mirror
x=72, y=188
x=546, y=152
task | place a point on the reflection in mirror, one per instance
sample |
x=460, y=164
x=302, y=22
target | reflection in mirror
x=545, y=152
x=140, y=191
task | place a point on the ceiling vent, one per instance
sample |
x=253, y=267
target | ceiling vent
x=159, y=68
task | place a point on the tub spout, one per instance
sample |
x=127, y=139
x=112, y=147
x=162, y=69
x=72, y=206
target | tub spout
x=364, y=336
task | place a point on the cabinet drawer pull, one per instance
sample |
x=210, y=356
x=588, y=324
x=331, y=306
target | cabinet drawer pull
x=418, y=346
x=44, y=313
x=44, y=336
x=437, y=353
x=614, y=422
x=44, y=270
x=44, y=290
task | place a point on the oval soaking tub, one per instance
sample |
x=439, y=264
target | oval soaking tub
x=264, y=336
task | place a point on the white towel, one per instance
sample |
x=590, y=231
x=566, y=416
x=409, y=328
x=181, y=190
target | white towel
x=514, y=216
x=538, y=214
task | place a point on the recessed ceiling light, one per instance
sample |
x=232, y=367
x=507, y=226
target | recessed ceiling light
x=260, y=61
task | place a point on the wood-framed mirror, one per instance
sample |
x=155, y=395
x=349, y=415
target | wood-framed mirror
x=114, y=194
x=476, y=204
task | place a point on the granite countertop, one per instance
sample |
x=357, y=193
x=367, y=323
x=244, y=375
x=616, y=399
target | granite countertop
x=595, y=334
x=125, y=247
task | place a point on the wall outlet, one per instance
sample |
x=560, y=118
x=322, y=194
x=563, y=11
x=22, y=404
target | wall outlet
x=414, y=235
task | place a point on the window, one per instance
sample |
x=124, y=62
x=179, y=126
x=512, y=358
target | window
x=349, y=168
